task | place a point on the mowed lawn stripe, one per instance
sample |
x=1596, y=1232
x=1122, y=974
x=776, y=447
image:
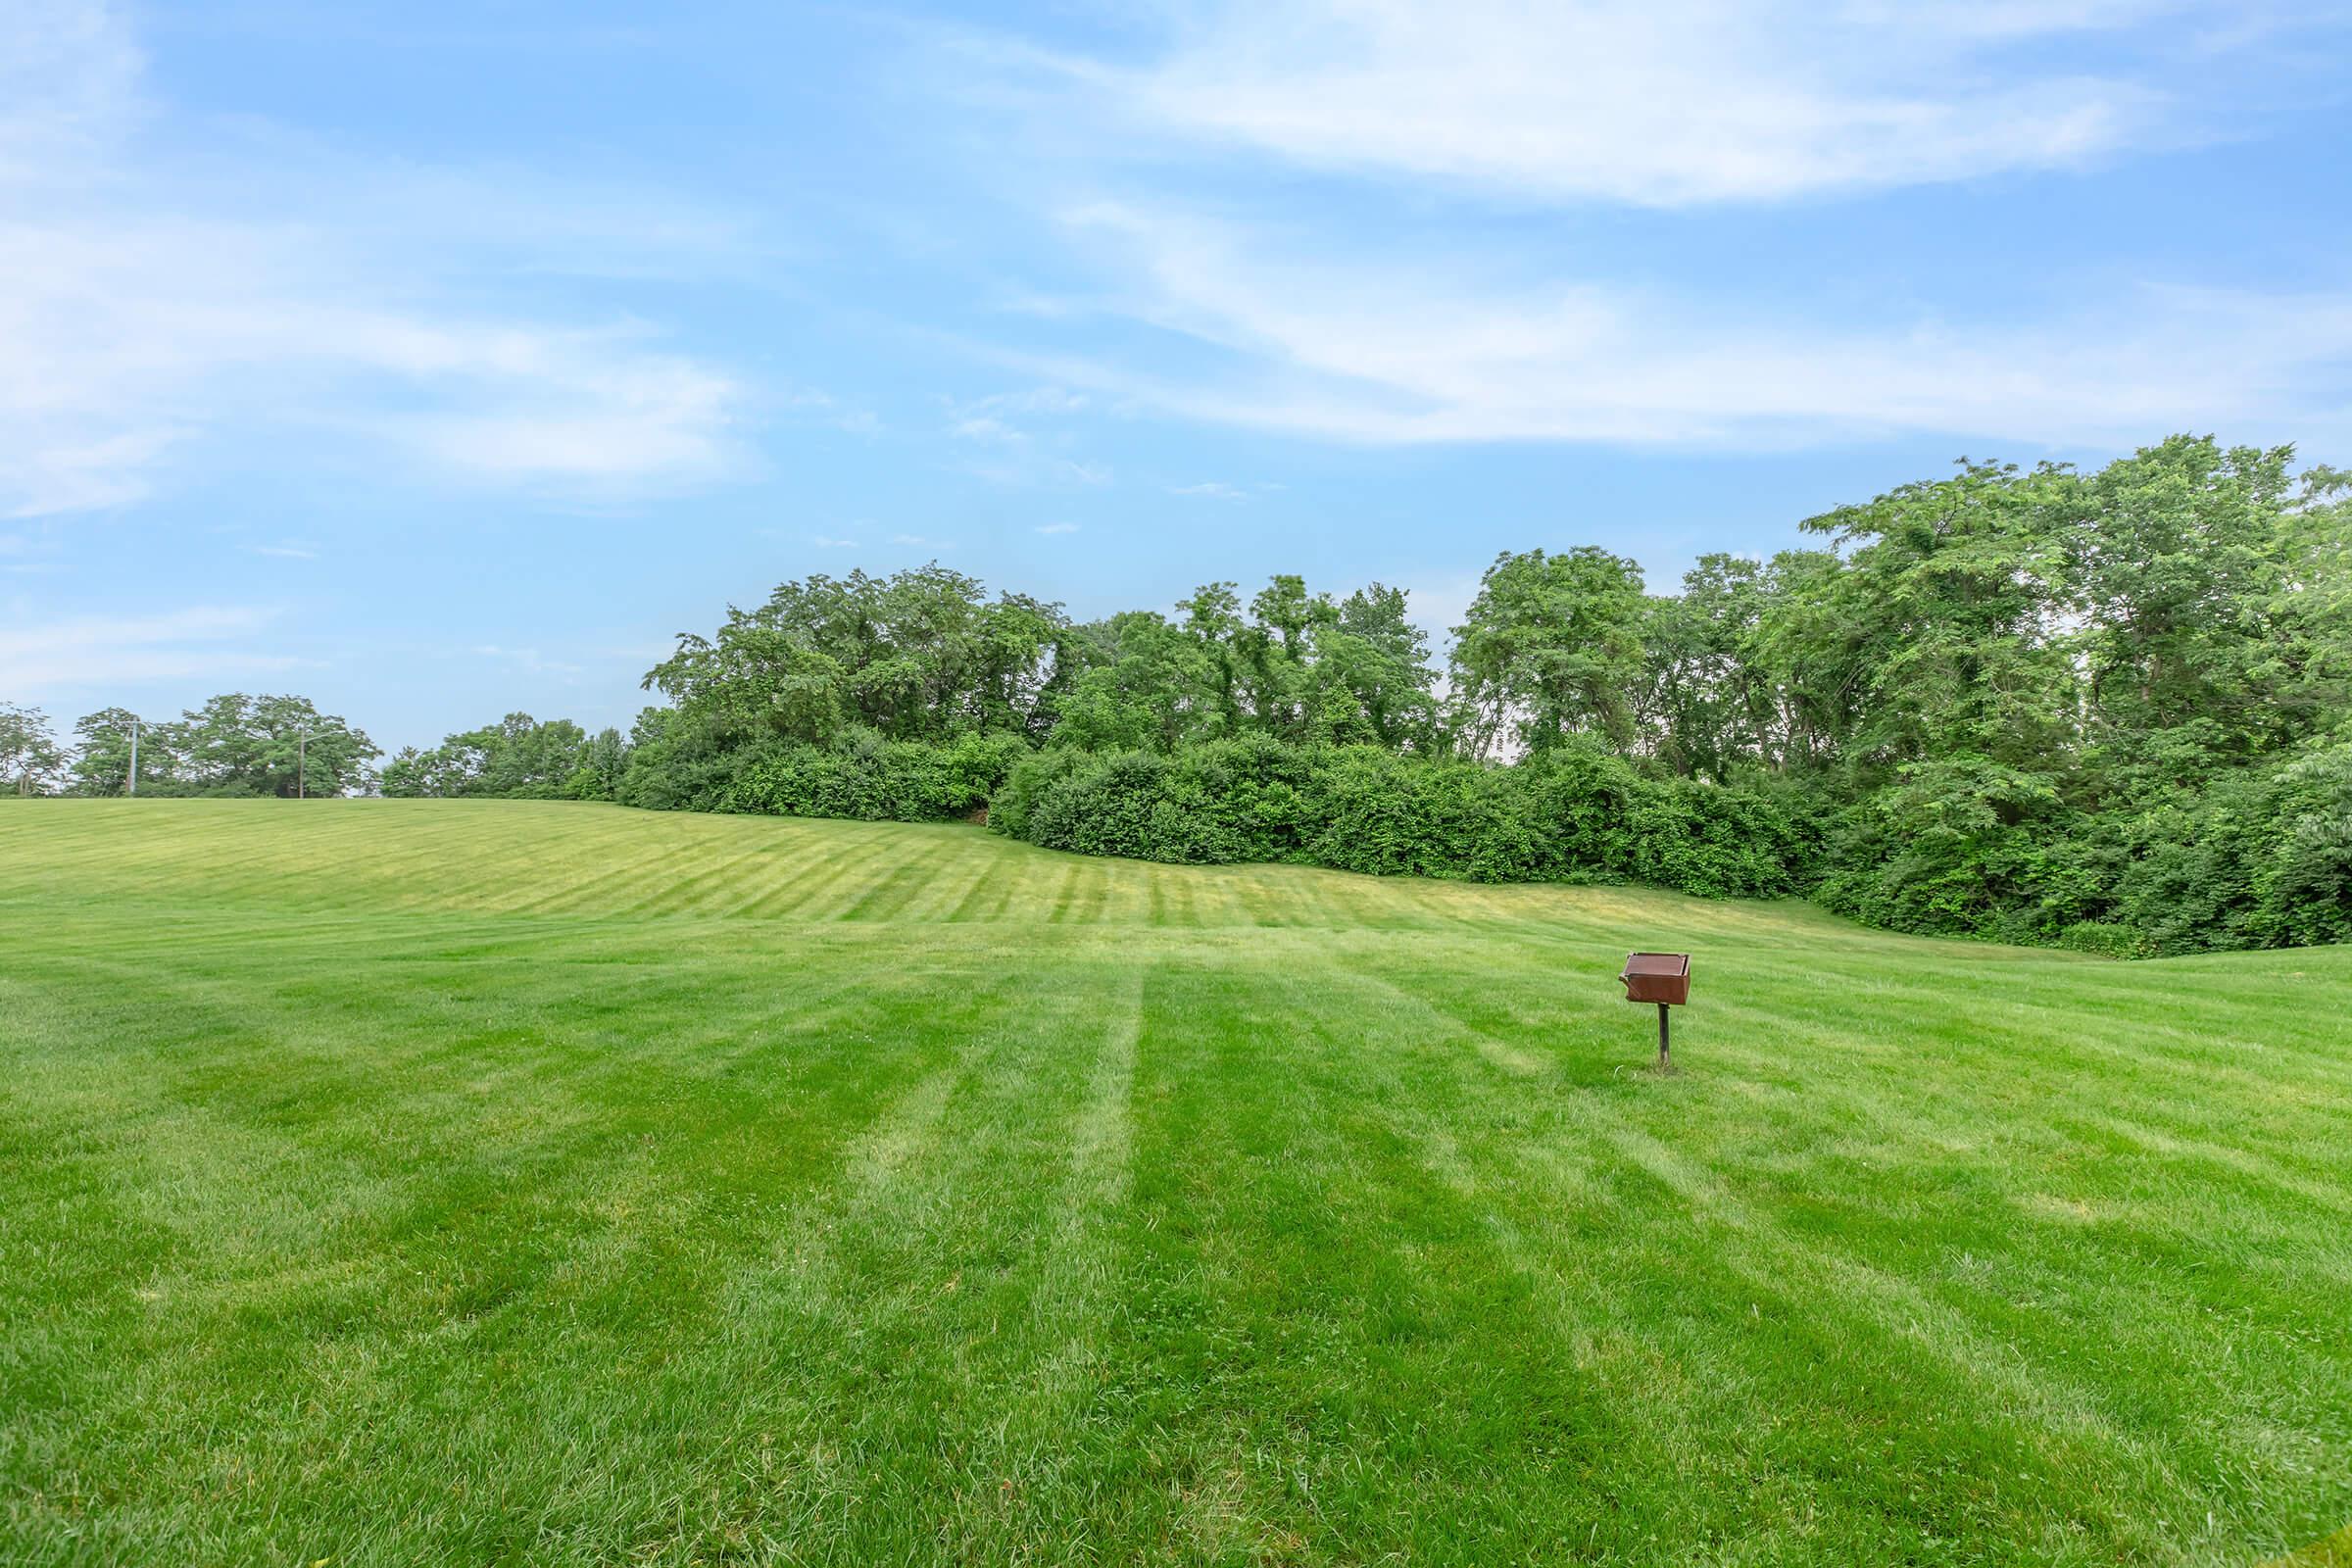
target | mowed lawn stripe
x=414, y=1181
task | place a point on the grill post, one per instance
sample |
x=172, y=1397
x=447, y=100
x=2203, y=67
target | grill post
x=1664, y=979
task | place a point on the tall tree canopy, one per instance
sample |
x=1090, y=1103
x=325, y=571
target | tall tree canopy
x=102, y=758
x=518, y=757
x=32, y=762
x=282, y=744
x=2113, y=706
x=1551, y=649
x=921, y=655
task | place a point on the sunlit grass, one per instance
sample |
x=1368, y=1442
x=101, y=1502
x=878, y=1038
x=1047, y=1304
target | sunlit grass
x=423, y=1182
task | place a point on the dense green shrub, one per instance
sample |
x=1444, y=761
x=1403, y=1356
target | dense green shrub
x=870, y=779
x=2263, y=859
x=1573, y=816
x=2258, y=858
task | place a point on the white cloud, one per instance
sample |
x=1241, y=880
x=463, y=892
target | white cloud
x=529, y=659
x=75, y=654
x=1019, y=453
x=983, y=428
x=287, y=551
x=1211, y=490
x=991, y=419
x=1057, y=527
x=1650, y=102
x=1339, y=347
x=154, y=306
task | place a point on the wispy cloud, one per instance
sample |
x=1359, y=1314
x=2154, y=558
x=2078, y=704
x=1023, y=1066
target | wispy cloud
x=1441, y=273
x=1211, y=490
x=1402, y=353
x=287, y=551
x=1057, y=527
x=527, y=659
x=1005, y=425
x=1657, y=103
x=153, y=307
x=78, y=654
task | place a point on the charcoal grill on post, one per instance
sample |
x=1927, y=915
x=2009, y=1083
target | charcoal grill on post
x=1660, y=977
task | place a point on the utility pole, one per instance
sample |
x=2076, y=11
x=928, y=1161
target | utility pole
x=302, y=757
x=131, y=787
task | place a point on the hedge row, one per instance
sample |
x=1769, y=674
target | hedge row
x=1576, y=817
x=2261, y=858
x=864, y=778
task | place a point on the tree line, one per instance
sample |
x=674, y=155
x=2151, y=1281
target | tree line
x=2111, y=709
x=233, y=745
x=240, y=745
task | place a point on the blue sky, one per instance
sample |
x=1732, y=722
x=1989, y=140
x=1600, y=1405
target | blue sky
x=443, y=360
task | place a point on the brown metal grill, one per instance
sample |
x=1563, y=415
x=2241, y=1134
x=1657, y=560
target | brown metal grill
x=1660, y=977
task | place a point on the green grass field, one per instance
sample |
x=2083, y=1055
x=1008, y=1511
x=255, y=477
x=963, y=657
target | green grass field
x=416, y=1182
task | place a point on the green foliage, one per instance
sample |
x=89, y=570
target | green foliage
x=1945, y=622
x=1550, y=650
x=102, y=752
x=921, y=655
x=32, y=762
x=2097, y=709
x=2261, y=858
x=1575, y=814
x=240, y=745
x=233, y=745
x=516, y=758
x=865, y=778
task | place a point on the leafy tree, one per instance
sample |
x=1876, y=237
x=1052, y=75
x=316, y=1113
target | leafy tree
x=518, y=757
x=30, y=760
x=920, y=655
x=1372, y=677
x=1708, y=705
x=1550, y=650
x=1945, y=622
x=102, y=754
x=1137, y=688
x=1212, y=619
x=2203, y=641
x=278, y=746
x=602, y=765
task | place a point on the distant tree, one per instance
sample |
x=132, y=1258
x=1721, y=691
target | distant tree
x=1135, y=686
x=1551, y=649
x=2208, y=634
x=1298, y=666
x=921, y=655
x=1945, y=624
x=1371, y=682
x=1701, y=710
x=102, y=754
x=32, y=762
x=602, y=763
x=1212, y=620
x=518, y=757
x=241, y=745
